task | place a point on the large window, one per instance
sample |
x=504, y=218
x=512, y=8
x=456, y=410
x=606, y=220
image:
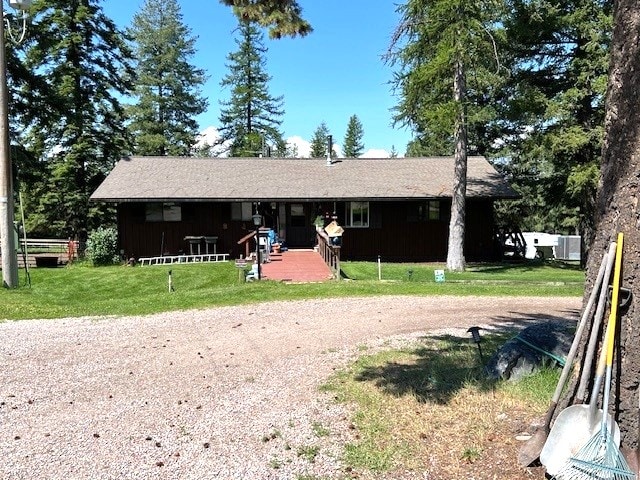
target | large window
x=427, y=211
x=163, y=212
x=357, y=214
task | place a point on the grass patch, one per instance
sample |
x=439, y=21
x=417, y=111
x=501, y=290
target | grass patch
x=320, y=430
x=526, y=272
x=308, y=452
x=430, y=409
x=79, y=290
x=275, y=463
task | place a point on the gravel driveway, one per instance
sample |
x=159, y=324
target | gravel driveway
x=224, y=393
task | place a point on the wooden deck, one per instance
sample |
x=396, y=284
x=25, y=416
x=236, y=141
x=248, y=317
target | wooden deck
x=296, y=266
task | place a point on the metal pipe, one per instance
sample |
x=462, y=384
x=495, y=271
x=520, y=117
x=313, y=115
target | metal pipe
x=258, y=251
x=7, y=242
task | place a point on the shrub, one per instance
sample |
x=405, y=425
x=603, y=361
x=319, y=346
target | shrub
x=102, y=246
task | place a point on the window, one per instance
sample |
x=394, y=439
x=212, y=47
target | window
x=298, y=218
x=428, y=211
x=163, y=212
x=357, y=214
x=241, y=211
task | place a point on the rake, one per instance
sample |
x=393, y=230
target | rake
x=600, y=457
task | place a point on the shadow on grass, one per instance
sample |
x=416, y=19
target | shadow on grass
x=524, y=265
x=436, y=370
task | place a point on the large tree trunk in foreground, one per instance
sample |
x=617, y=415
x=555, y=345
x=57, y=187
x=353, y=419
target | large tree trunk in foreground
x=618, y=210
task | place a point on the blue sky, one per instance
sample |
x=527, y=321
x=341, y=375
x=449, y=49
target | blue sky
x=329, y=75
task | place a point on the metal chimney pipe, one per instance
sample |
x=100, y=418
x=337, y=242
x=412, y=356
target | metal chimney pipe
x=329, y=149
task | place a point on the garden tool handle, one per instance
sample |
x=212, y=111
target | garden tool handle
x=595, y=329
x=597, y=384
x=613, y=315
x=611, y=334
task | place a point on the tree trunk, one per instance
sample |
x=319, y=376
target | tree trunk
x=618, y=210
x=455, y=252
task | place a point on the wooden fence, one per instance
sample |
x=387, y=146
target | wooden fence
x=40, y=252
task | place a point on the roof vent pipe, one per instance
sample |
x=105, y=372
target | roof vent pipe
x=329, y=149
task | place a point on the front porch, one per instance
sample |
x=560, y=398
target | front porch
x=299, y=265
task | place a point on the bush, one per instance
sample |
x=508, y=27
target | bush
x=102, y=246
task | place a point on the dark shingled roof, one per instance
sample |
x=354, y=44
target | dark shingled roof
x=138, y=179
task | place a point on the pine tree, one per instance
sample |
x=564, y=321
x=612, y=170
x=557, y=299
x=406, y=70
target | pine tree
x=251, y=118
x=441, y=45
x=558, y=105
x=320, y=141
x=167, y=85
x=353, y=145
x=81, y=62
x=282, y=17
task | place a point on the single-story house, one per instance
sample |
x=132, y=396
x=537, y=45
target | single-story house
x=395, y=208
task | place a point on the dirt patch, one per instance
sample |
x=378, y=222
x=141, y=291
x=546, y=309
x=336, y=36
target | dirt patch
x=219, y=393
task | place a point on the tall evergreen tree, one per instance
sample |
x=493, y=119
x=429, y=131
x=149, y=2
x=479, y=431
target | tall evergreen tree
x=81, y=61
x=554, y=118
x=167, y=85
x=282, y=17
x=320, y=142
x=353, y=144
x=251, y=118
x=446, y=51
x=27, y=96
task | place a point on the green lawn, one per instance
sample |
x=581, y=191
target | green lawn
x=530, y=272
x=436, y=389
x=83, y=290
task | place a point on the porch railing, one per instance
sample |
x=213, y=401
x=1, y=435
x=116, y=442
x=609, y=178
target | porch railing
x=329, y=253
x=245, y=241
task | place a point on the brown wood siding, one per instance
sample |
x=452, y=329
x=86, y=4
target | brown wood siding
x=394, y=237
x=139, y=238
x=393, y=233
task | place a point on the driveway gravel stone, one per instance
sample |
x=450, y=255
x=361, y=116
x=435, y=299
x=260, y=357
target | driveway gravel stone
x=222, y=393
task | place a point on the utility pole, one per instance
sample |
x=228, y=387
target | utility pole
x=7, y=242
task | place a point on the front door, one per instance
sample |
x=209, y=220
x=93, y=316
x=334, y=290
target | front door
x=300, y=231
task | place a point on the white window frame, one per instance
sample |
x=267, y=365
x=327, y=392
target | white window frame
x=361, y=208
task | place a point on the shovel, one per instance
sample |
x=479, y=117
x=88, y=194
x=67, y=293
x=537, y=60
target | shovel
x=576, y=424
x=530, y=451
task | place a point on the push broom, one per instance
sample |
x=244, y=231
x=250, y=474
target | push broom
x=600, y=457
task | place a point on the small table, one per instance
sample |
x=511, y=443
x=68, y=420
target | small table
x=193, y=241
x=210, y=241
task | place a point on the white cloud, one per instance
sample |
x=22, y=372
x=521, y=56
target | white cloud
x=210, y=136
x=375, y=153
x=304, y=147
x=338, y=149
